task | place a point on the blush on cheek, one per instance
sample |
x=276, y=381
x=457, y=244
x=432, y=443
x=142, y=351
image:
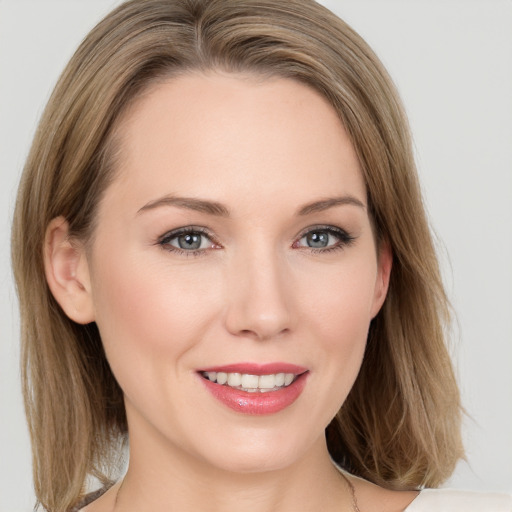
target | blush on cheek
x=343, y=303
x=157, y=314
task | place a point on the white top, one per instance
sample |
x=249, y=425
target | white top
x=450, y=500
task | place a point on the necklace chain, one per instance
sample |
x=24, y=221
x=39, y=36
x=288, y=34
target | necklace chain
x=355, y=507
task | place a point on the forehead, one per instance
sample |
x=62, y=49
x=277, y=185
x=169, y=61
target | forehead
x=211, y=135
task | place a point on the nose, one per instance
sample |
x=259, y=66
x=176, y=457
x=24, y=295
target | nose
x=259, y=301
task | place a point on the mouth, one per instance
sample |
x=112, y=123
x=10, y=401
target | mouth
x=252, y=383
x=255, y=389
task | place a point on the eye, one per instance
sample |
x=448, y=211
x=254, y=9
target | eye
x=324, y=238
x=319, y=239
x=189, y=240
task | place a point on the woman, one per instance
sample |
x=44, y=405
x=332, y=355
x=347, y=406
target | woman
x=220, y=250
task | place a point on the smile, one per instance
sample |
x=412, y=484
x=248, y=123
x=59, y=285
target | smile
x=252, y=383
x=255, y=389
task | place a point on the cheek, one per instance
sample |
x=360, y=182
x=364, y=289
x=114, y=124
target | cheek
x=148, y=314
x=342, y=330
x=338, y=311
x=340, y=299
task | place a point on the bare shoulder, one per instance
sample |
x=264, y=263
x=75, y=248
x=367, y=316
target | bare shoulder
x=372, y=498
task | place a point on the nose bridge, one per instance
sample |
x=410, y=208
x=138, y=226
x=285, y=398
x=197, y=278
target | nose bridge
x=258, y=303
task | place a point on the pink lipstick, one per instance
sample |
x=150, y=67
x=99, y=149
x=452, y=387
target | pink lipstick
x=253, y=388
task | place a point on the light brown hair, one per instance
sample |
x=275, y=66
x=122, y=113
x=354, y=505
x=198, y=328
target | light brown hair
x=400, y=426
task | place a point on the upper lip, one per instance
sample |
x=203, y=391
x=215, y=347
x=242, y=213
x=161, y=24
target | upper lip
x=257, y=368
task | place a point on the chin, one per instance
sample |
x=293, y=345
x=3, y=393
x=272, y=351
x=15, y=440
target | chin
x=257, y=452
x=257, y=462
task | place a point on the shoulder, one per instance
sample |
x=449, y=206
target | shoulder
x=450, y=500
x=373, y=498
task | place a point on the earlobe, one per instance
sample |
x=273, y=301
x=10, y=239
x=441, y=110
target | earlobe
x=385, y=262
x=67, y=272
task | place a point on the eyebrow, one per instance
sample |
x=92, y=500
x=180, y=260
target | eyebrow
x=189, y=203
x=218, y=209
x=330, y=202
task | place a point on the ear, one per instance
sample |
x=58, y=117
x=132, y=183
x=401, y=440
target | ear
x=384, y=262
x=67, y=272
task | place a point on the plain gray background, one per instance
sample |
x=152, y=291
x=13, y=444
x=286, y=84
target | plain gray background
x=452, y=62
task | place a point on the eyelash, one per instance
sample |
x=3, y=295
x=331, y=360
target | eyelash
x=164, y=241
x=344, y=240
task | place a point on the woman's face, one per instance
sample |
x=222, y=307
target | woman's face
x=234, y=244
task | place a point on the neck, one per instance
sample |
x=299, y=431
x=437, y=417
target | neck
x=173, y=480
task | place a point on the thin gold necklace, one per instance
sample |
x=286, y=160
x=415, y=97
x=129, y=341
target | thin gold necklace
x=355, y=507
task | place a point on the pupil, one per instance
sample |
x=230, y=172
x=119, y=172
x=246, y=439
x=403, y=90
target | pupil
x=318, y=239
x=189, y=241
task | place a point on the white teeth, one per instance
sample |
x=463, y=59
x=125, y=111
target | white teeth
x=251, y=383
x=234, y=379
x=222, y=378
x=267, y=382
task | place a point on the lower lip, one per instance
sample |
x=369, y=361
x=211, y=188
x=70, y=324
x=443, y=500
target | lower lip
x=269, y=402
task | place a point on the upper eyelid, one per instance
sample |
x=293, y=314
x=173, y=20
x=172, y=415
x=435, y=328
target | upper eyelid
x=322, y=227
x=319, y=227
x=186, y=229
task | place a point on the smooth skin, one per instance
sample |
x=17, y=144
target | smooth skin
x=274, y=259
